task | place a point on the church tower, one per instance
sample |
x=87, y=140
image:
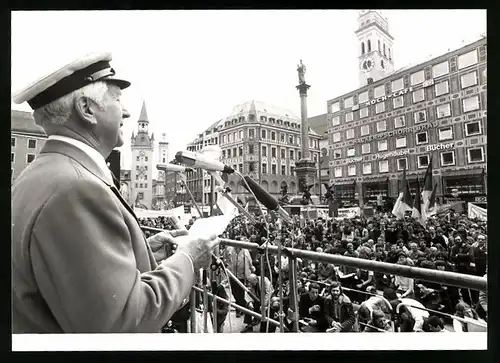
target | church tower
x=375, y=47
x=142, y=146
x=162, y=154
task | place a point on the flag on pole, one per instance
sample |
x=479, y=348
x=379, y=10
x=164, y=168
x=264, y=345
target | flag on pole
x=431, y=207
x=417, y=207
x=427, y=190
x=404, y=202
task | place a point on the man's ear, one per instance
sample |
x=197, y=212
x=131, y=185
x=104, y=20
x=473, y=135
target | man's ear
x=85, y=110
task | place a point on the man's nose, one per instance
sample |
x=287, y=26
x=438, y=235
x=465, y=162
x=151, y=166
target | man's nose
x=125, y=113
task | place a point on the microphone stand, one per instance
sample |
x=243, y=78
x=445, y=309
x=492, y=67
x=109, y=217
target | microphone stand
x=280, y=283
x=192, y=198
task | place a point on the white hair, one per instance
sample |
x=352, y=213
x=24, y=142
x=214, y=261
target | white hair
x=58, y=112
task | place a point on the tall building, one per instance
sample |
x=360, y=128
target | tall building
x=319, y=124
x=26, y=141
x=142, y=146
x=263, y=141
x=375, y=44
x=198, y=181
x=435, y=110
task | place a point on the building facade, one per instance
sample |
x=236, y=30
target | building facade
x=257, y=139
x=142, y=146
x=436, y=110
x=263, y=141
x=26, y=141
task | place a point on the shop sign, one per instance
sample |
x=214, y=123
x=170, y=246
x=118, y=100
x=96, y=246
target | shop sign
x=397, y=132
x=435, y=147
x=480, y=200
x=392, y=95
x=428, y=83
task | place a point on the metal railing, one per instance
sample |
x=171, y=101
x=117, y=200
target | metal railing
x=441, y=277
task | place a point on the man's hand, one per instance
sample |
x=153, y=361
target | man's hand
x=314, y=308
x=164, y=237
x=199, y=249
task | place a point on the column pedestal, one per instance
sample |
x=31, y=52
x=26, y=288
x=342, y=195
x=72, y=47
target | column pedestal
x=306, y=173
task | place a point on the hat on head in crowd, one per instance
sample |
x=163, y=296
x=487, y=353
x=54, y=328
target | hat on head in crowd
x=71, y=77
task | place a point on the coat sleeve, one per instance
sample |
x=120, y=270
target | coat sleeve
x=84, y=265
x=351, y=318
x=328, y=311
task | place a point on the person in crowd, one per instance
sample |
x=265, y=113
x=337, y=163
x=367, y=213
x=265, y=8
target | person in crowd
x=404, y=285
x=410, y=314
x=222, y=308
x=238, y=261
x=482, y=308
x=255, y=283
x=378, y=323
x=474, y=322
x=373, y=303
x=460, y=255
x=433, y=324
x=478, y=258
x=80, y=261
x=312, y=310
x=339, y=311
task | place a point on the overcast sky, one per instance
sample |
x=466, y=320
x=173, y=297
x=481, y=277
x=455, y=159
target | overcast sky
x=193, y=67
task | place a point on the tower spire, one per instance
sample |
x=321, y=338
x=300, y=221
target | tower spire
x=144, y=115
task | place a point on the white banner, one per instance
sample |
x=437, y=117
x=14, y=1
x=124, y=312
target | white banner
x=349, y=212
x=477, y=212
x=141, y=213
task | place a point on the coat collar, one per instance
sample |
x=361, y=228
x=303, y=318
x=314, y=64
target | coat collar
x=78, y=155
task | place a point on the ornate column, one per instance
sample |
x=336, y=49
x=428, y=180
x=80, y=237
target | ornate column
x=305, y=167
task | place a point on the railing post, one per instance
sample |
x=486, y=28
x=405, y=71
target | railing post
x=192, y=301
x=292, y=264
x=263, y=308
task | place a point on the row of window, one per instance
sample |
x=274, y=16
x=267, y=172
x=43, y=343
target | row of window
x=447, y=158
x=387, y=53
x=234, y=152
x=265, y=135
x=141, y=185
x=138, y=158
x=418, y=96
x=470, y=104
x=417, y=78
x=29, y=157
x=263, y=119
x=274, y=169
x=444, y=133
x=31, y=143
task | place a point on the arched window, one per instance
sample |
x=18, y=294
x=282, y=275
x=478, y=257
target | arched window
x=369, y=46
x=362, y=48
x=384, y=50
x=379, y=46
x=389, y=51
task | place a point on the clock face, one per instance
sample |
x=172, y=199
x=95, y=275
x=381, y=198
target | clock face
x=367, y=65
x=142, y=153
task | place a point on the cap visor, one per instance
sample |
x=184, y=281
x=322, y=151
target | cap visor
x=119, y=82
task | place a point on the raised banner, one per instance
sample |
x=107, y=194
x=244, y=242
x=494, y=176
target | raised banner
x=477, y=212
x=352, y=212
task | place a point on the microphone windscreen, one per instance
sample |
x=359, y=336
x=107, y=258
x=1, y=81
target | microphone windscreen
x=262, y=195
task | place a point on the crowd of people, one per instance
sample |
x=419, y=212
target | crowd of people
x=334, y=298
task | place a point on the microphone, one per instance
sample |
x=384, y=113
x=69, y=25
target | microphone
x=173, y=167
x=265, y=198
x=197, y=160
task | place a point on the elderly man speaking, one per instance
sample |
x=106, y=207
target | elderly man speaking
x=80, y=261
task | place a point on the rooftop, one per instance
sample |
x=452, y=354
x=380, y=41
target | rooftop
x=23, y=122
x=255, y=106
x=319, y=124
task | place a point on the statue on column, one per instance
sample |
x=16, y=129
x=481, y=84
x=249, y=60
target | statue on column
x=301, y=69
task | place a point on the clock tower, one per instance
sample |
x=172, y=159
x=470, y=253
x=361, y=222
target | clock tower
x=375, y=59
x=141, y=173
